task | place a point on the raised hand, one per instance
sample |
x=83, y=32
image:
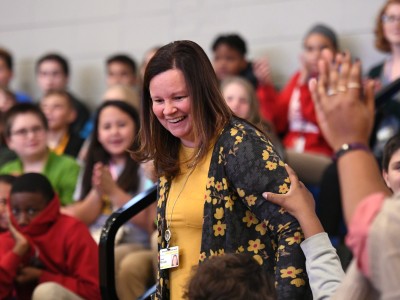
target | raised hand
x=262, y=71
x=344, y=107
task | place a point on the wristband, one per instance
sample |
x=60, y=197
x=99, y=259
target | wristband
x=349, y=147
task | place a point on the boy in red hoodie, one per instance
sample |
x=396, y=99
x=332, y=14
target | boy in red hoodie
x=45, y=255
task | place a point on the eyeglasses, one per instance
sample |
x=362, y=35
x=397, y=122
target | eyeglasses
x=23, y=132
x=390, y=19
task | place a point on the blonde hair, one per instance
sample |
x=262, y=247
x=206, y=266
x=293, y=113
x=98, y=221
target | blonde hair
x=125, y=93
x=254, y=113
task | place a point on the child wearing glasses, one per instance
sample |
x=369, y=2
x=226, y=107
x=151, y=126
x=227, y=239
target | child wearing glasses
x=44, y=254
x=26, y=131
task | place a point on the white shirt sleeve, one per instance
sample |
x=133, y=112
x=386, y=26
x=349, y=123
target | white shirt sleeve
x=323, y=266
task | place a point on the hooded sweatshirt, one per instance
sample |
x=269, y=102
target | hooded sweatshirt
x=61, y=246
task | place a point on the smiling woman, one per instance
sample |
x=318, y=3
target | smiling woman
x=213, y=169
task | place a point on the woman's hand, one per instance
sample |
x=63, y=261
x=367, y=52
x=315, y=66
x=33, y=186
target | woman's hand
x=344, y=108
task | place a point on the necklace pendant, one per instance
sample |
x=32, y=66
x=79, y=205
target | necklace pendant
x=167, y=235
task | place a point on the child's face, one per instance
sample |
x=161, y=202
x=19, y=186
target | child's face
x=119, y=73
x=58, y=112
x=392, y=176
x=25, y=206
x=237, y=99
x=28, y=136
x=5, y=74
x=50, y=76
x=116, y=131
x=313, y=46
x=6, y=102
x=227, y=62
x=4, y=193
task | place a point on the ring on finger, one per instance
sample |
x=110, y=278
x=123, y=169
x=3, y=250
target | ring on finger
x=353, y=85
x=331, y=92
x=341, y=88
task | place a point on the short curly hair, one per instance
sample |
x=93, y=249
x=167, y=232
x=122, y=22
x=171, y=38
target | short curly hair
x=381, y=43
x=230, y=277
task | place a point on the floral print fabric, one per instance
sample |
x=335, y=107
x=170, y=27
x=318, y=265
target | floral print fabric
x=237, y=219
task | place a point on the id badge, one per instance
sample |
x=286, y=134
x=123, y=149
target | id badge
x=169, y=258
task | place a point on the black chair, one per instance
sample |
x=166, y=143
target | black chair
x=107, y=241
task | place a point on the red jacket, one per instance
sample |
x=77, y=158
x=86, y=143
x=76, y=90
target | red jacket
x=64, y=248
x=266, y=95
x=314, y=142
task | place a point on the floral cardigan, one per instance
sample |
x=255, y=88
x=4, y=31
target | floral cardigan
x=237, y=219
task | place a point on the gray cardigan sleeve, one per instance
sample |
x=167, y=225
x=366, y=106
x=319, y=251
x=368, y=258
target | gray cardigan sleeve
x=323, y=266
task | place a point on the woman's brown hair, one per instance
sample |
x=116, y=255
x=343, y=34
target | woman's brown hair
x=208, y=108
x=381, y=43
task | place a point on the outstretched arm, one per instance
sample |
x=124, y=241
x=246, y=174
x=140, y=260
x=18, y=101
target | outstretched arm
x=345, y=113
x=322, y=263
x=300, y=203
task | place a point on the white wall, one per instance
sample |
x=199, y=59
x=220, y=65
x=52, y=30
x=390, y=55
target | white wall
x=87, y=31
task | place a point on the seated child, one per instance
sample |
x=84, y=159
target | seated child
x=25, y=131
x=295, y=117
x=241, y=98
x=7, y=100
x=45, y=255
x=5, y=187
x=60, y=113
x=6, y=154
x=230, y=277
x=391, y=163
x=229, y=59
x=121, y=69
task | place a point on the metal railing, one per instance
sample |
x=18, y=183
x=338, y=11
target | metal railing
x=107, y=240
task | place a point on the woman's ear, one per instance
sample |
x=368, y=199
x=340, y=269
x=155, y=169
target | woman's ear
x=385, y=176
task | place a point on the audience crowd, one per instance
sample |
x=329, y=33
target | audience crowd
x=323, y=228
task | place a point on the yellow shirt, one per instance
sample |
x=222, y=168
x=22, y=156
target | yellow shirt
x=187, y=218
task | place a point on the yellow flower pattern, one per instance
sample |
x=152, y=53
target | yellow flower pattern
x=258, y=259
x=262, y=227
x=265, y=155
x=210, y=182
x=291, y=272
x=250, y=219
x=219, y=213
x=271, y=165
x=255, y=246
x=298, y=282
x=207, y=196
x=296, y=238
x=283, y=188
x=229, y=202
x=237, y=218
x=251, y=200
x=240, y=193
x=219, y=229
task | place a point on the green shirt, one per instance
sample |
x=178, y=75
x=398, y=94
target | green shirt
x=61, y=170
